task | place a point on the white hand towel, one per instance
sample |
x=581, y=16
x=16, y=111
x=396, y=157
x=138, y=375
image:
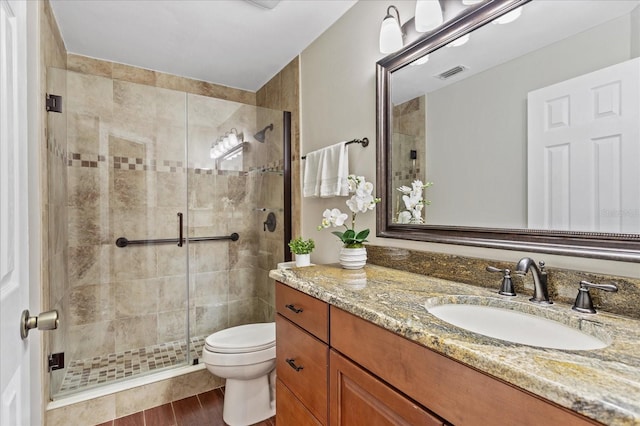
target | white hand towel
x=334, y=170
x=311, y=179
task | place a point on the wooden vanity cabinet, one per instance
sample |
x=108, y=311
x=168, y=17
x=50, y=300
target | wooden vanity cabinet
x=302, y=358
x=455, y=392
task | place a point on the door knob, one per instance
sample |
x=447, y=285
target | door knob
x=45, y=321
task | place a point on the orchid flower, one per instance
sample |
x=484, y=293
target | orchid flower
x=361, y=201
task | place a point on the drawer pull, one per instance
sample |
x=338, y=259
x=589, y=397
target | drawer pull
x=293, y=365
x=293, y=308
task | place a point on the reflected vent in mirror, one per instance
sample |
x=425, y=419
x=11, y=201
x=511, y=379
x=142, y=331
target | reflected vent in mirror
x=451, y=72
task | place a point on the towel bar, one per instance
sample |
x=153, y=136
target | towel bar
x=364, y=142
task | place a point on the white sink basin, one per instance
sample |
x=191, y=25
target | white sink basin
x=470, y=313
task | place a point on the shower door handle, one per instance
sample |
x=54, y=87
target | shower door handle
x=180, y=236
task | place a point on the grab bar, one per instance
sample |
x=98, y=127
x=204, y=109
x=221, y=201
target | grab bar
x=232, y=237
x=123, y=242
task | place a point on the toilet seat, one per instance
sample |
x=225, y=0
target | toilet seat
x=242, y=339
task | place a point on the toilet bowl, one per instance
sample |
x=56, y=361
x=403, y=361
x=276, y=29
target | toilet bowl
x=246, y=357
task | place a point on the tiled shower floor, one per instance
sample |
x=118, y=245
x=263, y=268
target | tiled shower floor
x=86, y=373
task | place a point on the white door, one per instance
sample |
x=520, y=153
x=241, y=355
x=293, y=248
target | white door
x=14, y=266
x=583, y=151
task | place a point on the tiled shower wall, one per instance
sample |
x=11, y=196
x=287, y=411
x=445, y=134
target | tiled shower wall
x=127, y=176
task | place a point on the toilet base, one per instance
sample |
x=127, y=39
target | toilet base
x=248, y=401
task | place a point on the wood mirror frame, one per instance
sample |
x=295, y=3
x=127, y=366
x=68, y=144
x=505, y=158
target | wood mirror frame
x=619, y=247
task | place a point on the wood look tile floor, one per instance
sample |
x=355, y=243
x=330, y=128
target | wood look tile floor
x=204, y=409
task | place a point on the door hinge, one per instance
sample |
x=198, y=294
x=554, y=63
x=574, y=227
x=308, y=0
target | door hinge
x=56, y=361
x=54, y=103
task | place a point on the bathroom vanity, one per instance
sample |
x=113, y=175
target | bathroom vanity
x=360, y=347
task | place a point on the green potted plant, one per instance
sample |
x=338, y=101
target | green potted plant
x=302, y=249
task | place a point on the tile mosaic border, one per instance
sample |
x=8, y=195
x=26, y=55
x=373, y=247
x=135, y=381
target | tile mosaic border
x=76, y=159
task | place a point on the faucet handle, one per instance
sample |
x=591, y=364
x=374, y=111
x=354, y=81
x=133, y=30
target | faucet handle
x=542, y=265
x=583, y=301
x=494, y=269
x=506, y=289
x=606, y=287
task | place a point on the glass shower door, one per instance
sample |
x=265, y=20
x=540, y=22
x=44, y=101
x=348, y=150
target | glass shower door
x=235, y=184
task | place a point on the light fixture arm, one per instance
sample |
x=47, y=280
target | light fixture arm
x=397, y=17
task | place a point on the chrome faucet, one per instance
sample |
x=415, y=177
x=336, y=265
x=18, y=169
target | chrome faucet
x=540, y=289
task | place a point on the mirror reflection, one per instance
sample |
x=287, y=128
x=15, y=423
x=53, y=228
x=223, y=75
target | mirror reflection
x=531, y=121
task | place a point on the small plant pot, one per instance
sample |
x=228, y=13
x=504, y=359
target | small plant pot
x=303, y=260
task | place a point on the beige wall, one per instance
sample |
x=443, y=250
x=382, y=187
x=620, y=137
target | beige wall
x=338, y=95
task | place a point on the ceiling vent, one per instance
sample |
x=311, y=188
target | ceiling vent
x=451, y=72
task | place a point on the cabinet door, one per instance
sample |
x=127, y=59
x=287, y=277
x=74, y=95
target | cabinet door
x=289, y=409
x=359, y=398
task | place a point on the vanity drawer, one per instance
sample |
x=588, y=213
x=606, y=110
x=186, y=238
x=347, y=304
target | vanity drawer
x=307, y=312
x=302, y=363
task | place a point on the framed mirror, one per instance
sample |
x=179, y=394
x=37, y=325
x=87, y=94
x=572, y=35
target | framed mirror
x=516, y=125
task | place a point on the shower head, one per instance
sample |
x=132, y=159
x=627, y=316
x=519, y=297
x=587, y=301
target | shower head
x=261, y=134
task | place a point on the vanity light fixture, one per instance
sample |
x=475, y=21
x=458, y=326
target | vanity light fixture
x=420, y=61
x=391, y=32
x=459, y=41
x=226, y=144
x=428, y=15
x=509, y=17
x=265, y=4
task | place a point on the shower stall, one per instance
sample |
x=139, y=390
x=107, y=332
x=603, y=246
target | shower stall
x=157, y=224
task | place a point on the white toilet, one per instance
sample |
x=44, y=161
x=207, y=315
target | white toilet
x=246, y=356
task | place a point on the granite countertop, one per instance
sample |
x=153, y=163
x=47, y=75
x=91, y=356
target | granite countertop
x=603, y=384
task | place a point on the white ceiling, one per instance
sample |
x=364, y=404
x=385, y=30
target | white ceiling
x=229, y=42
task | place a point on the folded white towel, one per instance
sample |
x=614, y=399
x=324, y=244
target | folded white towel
x=311, y=179
x=334, y=170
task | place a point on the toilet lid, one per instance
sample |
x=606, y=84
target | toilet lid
x=243, y=338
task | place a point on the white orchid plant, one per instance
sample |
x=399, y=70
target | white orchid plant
x=414, y=202
x=361, y=201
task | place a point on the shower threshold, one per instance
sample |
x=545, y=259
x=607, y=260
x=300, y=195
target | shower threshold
x=101, y=370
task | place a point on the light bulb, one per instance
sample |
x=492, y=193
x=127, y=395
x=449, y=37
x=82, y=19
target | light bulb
x=428, y=15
